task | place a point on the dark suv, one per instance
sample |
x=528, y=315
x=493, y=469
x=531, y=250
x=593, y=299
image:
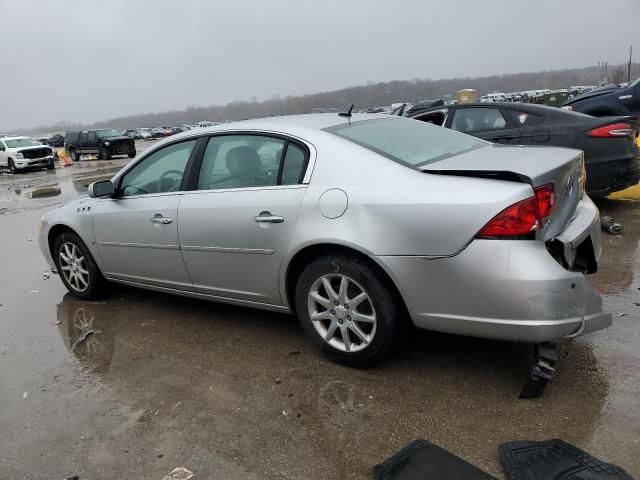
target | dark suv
x=608, y=101
x=106, y=143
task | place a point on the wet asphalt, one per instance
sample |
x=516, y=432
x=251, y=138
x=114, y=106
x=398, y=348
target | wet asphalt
x=236, y=393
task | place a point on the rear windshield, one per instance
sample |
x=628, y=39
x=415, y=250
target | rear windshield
x=410, y=142
x=22, y=142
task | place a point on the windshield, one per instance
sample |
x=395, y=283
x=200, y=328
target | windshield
x=22, y=142
x=108, y=133
x=410, y=142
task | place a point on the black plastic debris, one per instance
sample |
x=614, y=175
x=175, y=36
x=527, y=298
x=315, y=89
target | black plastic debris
x=609, y=225
x=422, y=460
x=554, y=459
x=542, y=371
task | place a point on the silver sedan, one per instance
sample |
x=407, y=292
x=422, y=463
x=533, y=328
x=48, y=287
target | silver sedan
x=356, y=224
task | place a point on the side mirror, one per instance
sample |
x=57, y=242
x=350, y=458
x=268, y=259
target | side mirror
x=103, y=188
x=1, y=149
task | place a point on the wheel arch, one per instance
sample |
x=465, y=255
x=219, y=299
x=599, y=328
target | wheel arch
x=55, y=231
x=308, y=253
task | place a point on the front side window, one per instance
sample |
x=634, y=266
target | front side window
x=467, y=120
x=409, y=142
x=240, y=161
x=160, y=172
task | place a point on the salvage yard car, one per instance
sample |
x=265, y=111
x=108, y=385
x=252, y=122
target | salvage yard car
x=612, y=154
x=105, y=143
x=355, y=223
x=24, y=153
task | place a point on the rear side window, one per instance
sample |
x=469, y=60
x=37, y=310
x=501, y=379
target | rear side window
x=468, y=120
x=71, y=137
x=409, y=142
x=293, y=166
x=245, y=161
x=524, y=119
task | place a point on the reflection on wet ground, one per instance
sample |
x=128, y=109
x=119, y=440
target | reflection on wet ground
x=234, y=393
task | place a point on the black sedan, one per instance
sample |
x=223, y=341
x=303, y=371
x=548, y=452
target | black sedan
x=612, y=154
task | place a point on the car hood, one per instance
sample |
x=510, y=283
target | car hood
x=34, y=147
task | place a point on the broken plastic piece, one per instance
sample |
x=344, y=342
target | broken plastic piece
x=179, y=473
x=422, y=460
x=609, y=225
x=554, y=459
x=545, y=358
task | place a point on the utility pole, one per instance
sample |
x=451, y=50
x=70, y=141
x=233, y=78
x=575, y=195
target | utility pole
x=629, y=66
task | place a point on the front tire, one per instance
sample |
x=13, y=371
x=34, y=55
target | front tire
x=77, y=268
x=105, y=153
x=51, y=165
x=348, y=310
x=12, y=167
x=132, y=154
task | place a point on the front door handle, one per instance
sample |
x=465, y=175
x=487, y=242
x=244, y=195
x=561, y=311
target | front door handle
x=266, y=217
x=157, y=218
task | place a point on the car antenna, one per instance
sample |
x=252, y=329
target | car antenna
x=347, y=114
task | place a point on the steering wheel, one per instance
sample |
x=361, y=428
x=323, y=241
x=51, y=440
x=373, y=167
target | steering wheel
x=175, y=181
x=137, y=188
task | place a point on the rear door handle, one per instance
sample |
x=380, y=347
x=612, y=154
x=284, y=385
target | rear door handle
x=157, y=218
x=266, y=217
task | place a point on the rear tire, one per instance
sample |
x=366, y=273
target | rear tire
x=132, y=154
x=372, y=321
x=74, y=155
x=77, y=268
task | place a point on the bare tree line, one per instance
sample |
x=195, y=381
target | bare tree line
x=363, y=96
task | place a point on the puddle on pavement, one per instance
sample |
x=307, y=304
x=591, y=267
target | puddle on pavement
x=66, y=188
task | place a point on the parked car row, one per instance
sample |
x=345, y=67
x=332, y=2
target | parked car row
x=610, y=144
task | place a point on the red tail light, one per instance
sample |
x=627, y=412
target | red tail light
x=615, y=130
x=519, y=219
x=522, y=218
x=546, y=200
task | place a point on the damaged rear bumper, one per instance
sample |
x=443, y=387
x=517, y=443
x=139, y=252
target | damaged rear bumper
x=505, y=289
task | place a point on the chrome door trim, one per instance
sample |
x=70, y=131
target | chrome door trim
x=246, y=189
x=139, y=245
x=259, y=251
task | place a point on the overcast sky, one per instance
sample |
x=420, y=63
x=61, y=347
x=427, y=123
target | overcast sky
x=88, y=60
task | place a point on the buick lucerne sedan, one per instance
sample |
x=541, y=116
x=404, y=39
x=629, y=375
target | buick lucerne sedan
x=356, y=224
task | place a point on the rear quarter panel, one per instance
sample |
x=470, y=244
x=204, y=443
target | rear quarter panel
x=395, y=210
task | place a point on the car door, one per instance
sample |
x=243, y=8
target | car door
x=137, y=230
x=488, y=123
x=236, y=227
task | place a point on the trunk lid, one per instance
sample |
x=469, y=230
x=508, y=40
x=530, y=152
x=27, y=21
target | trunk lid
x=537, y=166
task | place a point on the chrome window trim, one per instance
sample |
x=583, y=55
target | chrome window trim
x=197, y=135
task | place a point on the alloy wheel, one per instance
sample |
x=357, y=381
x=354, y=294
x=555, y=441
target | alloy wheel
x=342, y=312
x=74, y=267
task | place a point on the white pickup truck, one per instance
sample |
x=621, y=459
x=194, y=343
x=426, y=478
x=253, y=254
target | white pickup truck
x=24, y=153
